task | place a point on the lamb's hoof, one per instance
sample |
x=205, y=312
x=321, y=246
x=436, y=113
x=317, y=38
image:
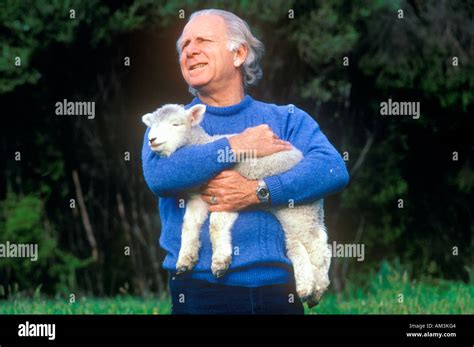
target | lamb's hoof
x=186, y=262
x=182, y=269
x=312, y=302
x=304, y=293
x=315, y=298
x=220, y=264
x=219, y=273
x=304, y=298
x=312, y=299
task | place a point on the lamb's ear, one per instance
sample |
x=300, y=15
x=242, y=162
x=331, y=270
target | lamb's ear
x=197, y=114
x=147, y=119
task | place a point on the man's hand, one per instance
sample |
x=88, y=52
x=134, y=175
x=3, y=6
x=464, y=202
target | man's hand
x=232, y=191
x=259, y=140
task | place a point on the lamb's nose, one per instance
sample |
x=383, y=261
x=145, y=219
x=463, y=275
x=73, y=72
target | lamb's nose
x=152, y=140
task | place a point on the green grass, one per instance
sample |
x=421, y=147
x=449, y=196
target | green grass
x=416, y=298
x=391, y=291
x=87, y=305
x=380, y=295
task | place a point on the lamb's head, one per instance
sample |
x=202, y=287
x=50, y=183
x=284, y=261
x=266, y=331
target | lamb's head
x=170, y=127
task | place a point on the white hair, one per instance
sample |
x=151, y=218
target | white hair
x=238, y=34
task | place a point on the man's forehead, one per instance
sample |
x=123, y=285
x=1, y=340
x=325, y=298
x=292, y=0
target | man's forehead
x=206, y=25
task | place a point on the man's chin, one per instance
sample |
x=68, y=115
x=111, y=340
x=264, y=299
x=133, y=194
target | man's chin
x=198, y=85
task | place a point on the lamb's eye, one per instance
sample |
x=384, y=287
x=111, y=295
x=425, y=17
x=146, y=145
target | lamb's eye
x=176, y=124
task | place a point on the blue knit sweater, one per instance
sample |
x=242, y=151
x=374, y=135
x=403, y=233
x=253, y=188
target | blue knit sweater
x=257, y=238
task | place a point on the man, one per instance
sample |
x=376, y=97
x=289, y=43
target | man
x=219, y=58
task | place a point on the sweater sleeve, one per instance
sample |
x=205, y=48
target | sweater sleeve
x=188, y=167
x=321, y=172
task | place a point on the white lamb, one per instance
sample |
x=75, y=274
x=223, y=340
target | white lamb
x=172, y=127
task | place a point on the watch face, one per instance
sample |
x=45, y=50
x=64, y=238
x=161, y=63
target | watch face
x=262, y=192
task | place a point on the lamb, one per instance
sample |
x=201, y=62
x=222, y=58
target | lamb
x=172, y=127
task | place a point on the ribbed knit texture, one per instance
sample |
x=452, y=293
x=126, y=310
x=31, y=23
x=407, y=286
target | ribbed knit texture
x=258, y=240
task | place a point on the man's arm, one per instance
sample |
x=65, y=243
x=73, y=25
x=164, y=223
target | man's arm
x=321, y=172
x=188, y=167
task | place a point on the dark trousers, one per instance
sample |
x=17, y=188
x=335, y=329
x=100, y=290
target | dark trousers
x=190, y=296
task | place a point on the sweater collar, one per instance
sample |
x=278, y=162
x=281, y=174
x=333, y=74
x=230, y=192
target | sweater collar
x=224, y=110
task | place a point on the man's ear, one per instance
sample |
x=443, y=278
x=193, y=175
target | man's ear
x=240, y=55
x=196, y=113
x=147, y=119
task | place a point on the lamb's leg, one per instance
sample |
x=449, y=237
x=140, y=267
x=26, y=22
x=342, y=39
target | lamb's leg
x=220, y=227
x=314, y=238
x=320, y=257
x=194, y=217
x=304, y=278
x=296, y=252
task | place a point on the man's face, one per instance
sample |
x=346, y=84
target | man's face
x=206, y=63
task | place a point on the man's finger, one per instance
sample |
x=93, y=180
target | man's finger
x=210, y=192
x=205, y=191
x=224, y=174
x=281, y=148
x=214, y=183
x=218, y=178
x=282, y=142
x=206, y=198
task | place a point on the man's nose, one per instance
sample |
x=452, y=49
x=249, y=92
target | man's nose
x=191, y=50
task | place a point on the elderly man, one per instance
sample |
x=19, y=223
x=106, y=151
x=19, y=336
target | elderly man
x=219, y=58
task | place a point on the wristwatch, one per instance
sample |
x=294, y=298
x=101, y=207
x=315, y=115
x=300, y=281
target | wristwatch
x=263, y=194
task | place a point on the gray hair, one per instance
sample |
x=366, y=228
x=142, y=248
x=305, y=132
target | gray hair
x=238, y=34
